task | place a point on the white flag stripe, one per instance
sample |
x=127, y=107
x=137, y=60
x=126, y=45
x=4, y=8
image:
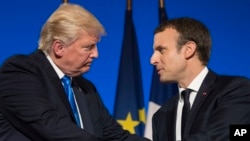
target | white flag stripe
x=152, y=108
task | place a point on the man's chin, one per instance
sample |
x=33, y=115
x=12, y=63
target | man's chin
x=80, y=72
x=85, y=70
x=166, y=81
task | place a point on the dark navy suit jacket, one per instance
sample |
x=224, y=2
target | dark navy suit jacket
x=220, y=102
x=34, y=107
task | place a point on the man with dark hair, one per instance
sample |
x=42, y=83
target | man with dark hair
x=207, y=103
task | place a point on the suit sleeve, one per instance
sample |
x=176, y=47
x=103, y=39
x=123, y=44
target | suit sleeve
x=112, y=131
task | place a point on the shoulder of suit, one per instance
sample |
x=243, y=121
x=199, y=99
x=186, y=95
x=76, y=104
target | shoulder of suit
x=24, y=61
x=231, y=84
x=232, y=79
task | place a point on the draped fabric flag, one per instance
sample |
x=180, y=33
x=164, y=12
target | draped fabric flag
x=159, y=92
x=129, y=102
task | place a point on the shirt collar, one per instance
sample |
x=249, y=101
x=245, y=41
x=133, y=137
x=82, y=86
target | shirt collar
x=197, y=81
x=58, y=71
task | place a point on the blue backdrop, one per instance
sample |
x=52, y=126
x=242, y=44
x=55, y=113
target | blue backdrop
x=228, y=21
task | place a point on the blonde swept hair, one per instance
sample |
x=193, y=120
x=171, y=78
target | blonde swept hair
x=67, y=24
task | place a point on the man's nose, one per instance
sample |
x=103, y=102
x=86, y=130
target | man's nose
x=153, y=59
x=94, y=53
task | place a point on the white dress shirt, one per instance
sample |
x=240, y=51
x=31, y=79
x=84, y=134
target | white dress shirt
x=195, y=86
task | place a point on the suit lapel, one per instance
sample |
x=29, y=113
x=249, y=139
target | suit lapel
x=83, y=108
x=56, y=86
x=168, y=118
x=204, y=91
x=172, y=122
x=53, y=78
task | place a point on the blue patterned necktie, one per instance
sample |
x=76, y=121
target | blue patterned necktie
x=67, y=87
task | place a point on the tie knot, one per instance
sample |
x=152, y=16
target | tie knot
x=66, y=80
x=185, y=94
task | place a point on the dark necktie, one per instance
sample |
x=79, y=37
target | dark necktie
x=186, y=109
x=70, y=95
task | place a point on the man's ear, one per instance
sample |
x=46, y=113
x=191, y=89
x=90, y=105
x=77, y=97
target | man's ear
x=190, y=49
x=58, y=48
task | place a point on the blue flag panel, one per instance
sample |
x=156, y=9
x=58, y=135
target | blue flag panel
x=129, y=102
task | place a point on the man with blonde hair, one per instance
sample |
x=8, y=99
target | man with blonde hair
x=43, y=96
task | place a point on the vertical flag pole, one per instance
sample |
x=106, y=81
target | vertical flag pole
x=65, y=1
x=161, y=3
x=129, y=5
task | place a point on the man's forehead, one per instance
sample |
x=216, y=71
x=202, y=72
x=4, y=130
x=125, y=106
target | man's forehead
x=168, y=36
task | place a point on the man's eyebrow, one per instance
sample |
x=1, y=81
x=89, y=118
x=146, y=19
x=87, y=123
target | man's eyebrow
x=159, y=47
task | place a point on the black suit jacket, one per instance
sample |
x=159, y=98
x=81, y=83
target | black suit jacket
x=220, y=102
x=33, y=105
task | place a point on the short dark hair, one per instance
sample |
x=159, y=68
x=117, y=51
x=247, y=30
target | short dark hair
x=190, y=30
